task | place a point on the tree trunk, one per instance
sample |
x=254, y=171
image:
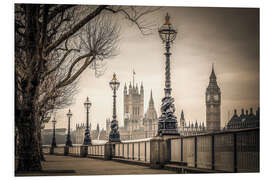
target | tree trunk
x=26, y=116
x=42, y=158
x=28, y=145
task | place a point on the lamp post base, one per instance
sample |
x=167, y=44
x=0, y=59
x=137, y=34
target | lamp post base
x=87, y=139
x=68, y=142
x=114, y=137
x=168, y=127
x=167, y=124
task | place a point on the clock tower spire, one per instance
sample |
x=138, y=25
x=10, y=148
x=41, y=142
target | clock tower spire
x=213, y=102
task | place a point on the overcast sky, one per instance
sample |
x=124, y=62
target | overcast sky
x=227, y=37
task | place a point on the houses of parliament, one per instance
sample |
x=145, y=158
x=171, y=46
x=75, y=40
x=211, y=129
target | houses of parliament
x=139, y=124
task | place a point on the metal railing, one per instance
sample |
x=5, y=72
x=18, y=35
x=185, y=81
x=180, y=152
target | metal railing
x=135, y=150
x=74, y=150
x=59, y=150
x=226, y=151
x=96, y=150
x=230, y=151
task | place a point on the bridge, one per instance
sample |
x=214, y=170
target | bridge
x=225, y=151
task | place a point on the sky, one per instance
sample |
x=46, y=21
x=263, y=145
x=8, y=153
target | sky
x=225, y=37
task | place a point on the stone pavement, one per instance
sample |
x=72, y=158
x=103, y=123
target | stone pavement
x=68, y=166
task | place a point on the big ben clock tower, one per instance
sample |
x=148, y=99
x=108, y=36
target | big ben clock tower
x=213, y=101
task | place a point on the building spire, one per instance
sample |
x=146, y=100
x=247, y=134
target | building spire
x=141, y=89
x=182, y=115
x=213, y=75
x=213, y=80
x=151, y=111
x=151, y=98
x=125, y=89
x=133, y=74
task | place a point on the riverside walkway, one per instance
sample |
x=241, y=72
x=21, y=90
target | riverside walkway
x=68, y=166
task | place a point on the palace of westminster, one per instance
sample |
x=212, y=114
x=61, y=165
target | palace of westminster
x=139, y=125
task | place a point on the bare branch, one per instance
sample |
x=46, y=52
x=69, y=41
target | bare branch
x=136, y=15
x=70, y=78
x=58, y=10
x=74, y=29
x=61, y=61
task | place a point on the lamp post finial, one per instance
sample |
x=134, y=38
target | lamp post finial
x=167, y=19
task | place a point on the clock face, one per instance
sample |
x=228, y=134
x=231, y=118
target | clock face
x=216, y=97
x=208, y=97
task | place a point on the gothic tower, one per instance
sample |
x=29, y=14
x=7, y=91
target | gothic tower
x=133, y=106
x=182, y=120
x=151, y=114
x=126, y=113
x=213, y=101
x=150, y=120
x=141, y=104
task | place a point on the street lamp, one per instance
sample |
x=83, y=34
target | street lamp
x=53, y=138
x=87, y=139
x=167, y=124
x=68, y=141
x=114, y=134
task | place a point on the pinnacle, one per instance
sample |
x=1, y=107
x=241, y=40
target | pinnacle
x=213, y=75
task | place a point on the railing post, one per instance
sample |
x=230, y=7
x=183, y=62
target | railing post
x=213, y=152
x=133, y=151
x=168, y=150
x=128, y=150
x=113, y=150
x=83, y=151
x=181, y=149
x=235, y=151
x=66, y=150
x=145, y=151
x=195, y=151
x=119, y=149
x=139, y=151
x=108, y=151
x=123, y=152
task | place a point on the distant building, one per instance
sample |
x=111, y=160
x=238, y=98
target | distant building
x=213, y=102
x=191, y=128
x=79, y=133
x=95, y=134
x=137, y=125
x=244, y=120
x=60, y=136
x=150, y=120
x=133, y=107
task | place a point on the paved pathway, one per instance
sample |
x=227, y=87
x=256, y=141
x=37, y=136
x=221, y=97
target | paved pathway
x=66, y=165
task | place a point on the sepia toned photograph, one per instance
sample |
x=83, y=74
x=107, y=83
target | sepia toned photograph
x=128, y=90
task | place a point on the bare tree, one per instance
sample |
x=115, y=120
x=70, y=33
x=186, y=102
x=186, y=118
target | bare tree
x=54, y=44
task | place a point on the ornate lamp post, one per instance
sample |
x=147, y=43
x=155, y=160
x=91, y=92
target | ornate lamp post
x=114, y=134
x=68, y=141
x=87, y=139
x=167, y=124
x=53, y=138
